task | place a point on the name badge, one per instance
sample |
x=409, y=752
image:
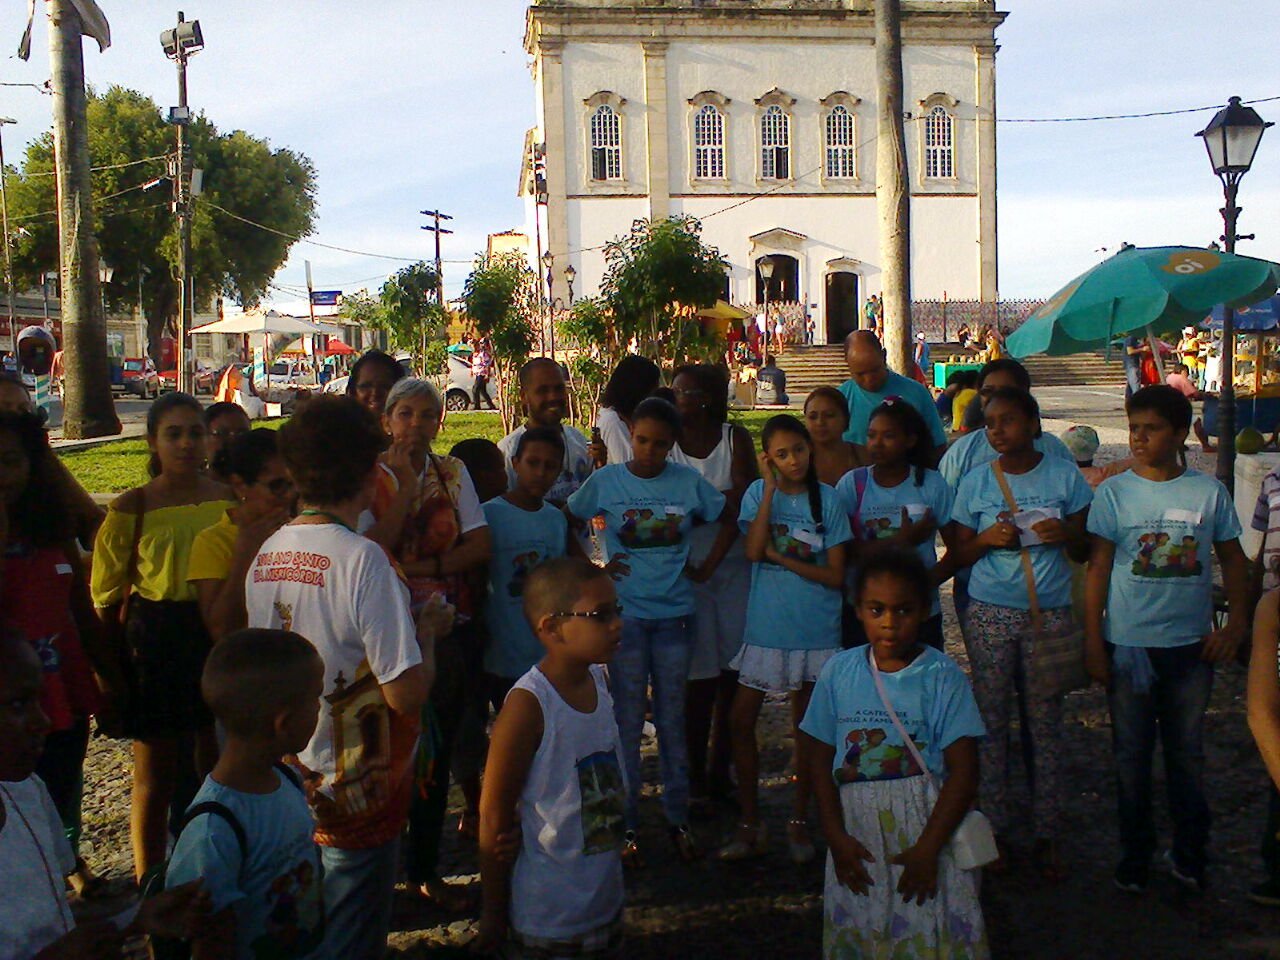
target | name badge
x=62, y=569
x=810, y=537
x=1273, y=501
x=916, y=510
x=673, y=511
x=1192, y=517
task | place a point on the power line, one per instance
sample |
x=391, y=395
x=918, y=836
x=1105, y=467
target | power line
x=297, y=239
x=109, y=166
x=1124, y=116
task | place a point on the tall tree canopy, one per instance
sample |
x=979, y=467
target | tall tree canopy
x=131, y=145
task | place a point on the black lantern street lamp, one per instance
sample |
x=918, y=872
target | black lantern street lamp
x=1231, y=139
x=570, y=275
x=549, y=262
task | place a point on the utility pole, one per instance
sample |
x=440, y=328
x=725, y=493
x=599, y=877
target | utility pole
x=8, y=252
x=179, y=44
x=892, y=197
x=435, y=228
x=88, y=409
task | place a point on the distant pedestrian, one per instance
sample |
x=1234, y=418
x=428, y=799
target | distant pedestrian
x=482, y=371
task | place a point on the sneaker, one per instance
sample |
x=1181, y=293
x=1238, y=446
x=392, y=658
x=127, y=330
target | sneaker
x=1266, y=893
x=1190, y=879
x=1130, y=879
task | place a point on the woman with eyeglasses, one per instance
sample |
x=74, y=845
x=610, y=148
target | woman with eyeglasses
x=222, y=554
x=372, y=378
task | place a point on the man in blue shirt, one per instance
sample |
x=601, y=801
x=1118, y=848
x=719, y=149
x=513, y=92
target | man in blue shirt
x=871, y=381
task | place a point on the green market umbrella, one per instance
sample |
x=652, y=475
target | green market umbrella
x=1152, y=289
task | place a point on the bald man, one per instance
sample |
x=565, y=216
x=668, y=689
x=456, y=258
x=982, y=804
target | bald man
x=871, y=382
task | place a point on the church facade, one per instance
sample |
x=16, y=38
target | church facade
x=758, y=117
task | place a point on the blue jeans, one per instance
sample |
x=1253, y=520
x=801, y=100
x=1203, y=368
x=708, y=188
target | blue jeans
x=654, y=652
x=1175, y=707
x=358, y=889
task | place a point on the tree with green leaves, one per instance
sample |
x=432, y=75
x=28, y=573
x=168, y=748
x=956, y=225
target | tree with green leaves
x=502, y=301
x=245, y=179
x=656, y=277
x=410, y=313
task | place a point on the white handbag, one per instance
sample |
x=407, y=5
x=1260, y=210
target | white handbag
x=973, y=844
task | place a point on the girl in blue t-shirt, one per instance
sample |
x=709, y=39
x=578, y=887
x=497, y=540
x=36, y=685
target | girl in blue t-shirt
x=649, y=506
x=892, y=883
x=796, y=533
x=899, y=502
x=1044, y=523
x=1156, y=528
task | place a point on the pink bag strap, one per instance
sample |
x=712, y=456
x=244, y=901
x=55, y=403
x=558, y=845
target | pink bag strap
x=893, y=715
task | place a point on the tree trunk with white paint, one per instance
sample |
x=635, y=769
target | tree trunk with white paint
x=892, y=193
x=88, y=409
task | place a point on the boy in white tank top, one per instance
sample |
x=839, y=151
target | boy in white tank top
x=555, y=762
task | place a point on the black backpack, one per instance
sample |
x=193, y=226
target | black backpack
x=153, y=882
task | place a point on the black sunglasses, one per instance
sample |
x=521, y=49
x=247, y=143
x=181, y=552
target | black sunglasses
x=605, y=614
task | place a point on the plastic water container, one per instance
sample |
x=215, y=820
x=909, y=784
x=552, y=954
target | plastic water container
x=1251, y=469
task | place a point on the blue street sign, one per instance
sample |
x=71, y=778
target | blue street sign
x=325, y=298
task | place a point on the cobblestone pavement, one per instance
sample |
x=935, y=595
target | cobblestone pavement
x=771, y=908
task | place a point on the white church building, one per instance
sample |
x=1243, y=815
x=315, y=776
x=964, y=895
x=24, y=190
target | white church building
x=758, y=117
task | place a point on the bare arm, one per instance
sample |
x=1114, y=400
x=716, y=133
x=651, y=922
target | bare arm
x=758, y=537
x=470, y=553
x=972, y=546
x=407, y=693
x=829, y=574
x=388, y=528
x=517, y=734
x=1097, y=582
x=848, y=854
x=1264, y=690
x=919, y=880
x=946, y=567
x=1221, y=645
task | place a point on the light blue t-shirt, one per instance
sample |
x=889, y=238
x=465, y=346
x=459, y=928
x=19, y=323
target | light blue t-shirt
x=931, y=696
x=861, y=403
x=880, y=515
x=784, y=610
x=278, y=893
x=520, y=540
x=974, y=450
x=1161, y=592
x=1053, y=488
x=649, y=521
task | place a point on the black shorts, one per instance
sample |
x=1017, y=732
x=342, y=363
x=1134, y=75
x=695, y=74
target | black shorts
x=167, y=644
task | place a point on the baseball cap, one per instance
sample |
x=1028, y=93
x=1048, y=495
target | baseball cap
x=1082, y=441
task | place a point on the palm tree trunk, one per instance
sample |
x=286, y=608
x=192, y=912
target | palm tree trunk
x=88, y=410
x=892, y=196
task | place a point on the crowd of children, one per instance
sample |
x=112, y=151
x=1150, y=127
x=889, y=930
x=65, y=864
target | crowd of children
x=303, y=634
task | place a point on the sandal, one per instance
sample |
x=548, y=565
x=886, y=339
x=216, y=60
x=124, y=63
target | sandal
x=469, y=825
x=750, y=843
x=631, y=858
x=799, y=846
x=685, y=846
x=1048, y=861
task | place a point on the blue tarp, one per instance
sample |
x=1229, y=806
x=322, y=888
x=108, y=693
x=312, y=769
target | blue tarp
x=1256, y=319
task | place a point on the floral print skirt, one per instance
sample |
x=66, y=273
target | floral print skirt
x=886, y=816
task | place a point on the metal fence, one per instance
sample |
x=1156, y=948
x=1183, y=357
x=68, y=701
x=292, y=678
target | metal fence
x=939, y=320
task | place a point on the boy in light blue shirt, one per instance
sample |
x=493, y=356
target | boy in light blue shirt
x=1149, y=627
x=525, y=531
x=248, y=833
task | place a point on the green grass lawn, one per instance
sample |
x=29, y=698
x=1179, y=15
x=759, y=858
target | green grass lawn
x=117, y=466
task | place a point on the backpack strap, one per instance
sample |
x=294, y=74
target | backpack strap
x=223, y=811
x=289, y=773
x=860, y=476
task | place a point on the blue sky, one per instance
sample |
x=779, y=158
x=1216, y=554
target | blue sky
x=404, y=105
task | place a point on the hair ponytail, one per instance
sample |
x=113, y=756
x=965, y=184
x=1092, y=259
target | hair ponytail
x=910, y=422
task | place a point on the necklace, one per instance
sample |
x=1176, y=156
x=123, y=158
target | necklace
x=44, y=860
x=332, y=517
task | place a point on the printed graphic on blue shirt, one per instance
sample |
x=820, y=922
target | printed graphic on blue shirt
x=645, y=527
x=521, y=565
x=869, y=755
x=1160, y=554
x=294, y=923
x=602, y=796
x=798, y=542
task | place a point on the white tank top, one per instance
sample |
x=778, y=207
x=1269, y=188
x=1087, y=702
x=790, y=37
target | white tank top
x=567, y=879
x=717, y=469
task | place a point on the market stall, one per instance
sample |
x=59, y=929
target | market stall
x=1257, y=367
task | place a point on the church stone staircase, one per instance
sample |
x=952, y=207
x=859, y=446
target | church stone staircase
x=809, y=367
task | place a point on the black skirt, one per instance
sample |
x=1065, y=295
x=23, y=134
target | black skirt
x=167, y=644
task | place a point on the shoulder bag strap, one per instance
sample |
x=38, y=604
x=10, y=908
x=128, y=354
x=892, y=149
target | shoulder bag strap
x=860, y=475
x=893, y=715
x=131, y=570
x=1025, y=554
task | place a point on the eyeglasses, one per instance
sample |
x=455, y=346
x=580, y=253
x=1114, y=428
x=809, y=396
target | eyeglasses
x=605, y=615
x=227, y=434
x=695, y=392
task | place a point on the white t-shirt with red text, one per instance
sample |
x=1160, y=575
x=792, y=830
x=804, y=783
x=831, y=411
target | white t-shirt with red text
x=340, y=591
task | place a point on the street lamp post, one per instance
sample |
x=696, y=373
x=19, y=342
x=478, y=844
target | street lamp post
x=549, y=262
x=180, y=43
x=766, y=273
x=1231, y=139
x=105, y=273
x=8, y=254
x=570, y=275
